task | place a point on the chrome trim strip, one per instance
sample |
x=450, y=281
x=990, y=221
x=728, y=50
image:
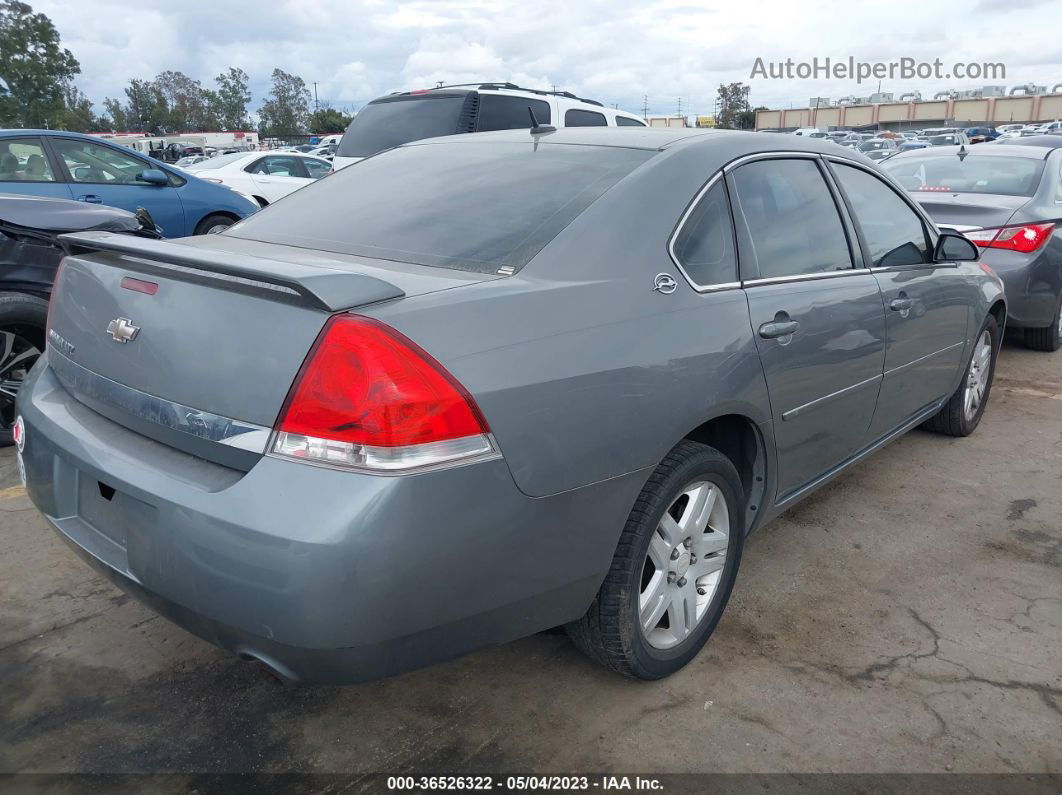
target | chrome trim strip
x=166, y=413
x=801, y=409
x=700, y=288
x=770, y=156
x=924, y=358
x=801, y=277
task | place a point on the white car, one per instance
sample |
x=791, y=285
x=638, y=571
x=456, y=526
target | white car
x=399, y=118
x=265, y=176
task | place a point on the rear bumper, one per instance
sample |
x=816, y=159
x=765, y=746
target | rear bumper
x=327, y=576
x=1032, y=283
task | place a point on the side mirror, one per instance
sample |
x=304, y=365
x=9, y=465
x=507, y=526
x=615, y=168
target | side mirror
x=953, y=247
x=153, y=176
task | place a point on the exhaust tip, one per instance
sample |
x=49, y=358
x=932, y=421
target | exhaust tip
x=278, y=673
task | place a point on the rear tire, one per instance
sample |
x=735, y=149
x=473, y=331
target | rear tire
x=629, y=627
x=1048, y=338
x=213, y=224
x=22, y=321
x=964, y=409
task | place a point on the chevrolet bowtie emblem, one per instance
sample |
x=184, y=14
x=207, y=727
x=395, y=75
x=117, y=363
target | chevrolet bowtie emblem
x=122, y=329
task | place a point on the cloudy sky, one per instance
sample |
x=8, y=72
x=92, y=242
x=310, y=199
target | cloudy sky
x=616, y=51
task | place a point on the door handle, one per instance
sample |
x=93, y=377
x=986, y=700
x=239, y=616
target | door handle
x=91, y=198
x=778, y=328
x=901, y=304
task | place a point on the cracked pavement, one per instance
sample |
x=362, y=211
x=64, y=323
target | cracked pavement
x=906, y=618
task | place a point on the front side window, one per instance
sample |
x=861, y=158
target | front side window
x=791, y=218
x=502, y=112
x=95, y=163
x=704, y=246
x=23, y=160
x=892, y=230
x=584, y=118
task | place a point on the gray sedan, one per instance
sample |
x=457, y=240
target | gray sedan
x=1008, y=200
x=476, y=387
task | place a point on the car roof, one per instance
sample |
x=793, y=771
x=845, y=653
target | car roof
x=1034, y=141
x=983, y=150
x=738, y=142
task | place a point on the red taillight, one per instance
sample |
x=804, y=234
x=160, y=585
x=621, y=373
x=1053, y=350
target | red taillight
x=368, y=397
x=1024, y=239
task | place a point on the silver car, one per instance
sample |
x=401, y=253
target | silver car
x=477, y=387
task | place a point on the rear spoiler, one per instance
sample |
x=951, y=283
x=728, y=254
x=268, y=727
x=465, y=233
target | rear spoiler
x=325, y=288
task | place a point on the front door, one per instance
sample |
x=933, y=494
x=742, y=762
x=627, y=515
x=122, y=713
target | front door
x=927, y=304
x=26, y=169
x=103, y=174
x=818, y=321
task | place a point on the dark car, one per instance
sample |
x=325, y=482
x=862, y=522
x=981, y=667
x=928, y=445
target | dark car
x=1007, y=199
x=484, y=385
x=29, y=257
x=978, y=135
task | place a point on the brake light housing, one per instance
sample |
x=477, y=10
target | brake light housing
x=1023, y=239
x=371, y=399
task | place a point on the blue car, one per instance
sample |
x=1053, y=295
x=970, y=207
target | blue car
x=67, y=165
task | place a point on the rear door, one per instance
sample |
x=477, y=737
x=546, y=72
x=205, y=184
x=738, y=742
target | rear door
x=26, y=169
x=927, y=304
x=104, y=174
x=818, y=319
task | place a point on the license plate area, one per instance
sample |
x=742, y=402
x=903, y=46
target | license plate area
x=110, y=512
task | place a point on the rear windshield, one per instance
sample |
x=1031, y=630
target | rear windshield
x=1008, y=176
x=393, y=122
x=469, y=206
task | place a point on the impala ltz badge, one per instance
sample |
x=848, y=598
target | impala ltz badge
x=122, y=330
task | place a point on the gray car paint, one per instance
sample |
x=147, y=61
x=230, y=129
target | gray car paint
x=586, y=375
x=1033, y=281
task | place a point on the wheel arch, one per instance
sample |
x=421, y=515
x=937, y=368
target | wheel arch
x=226, y=213
x=739, y=438
x=262, y=200
x=998, y=310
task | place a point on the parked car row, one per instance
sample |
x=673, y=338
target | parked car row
x=353, y=393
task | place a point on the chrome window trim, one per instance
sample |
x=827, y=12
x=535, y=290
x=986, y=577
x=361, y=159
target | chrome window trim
x=774, y=155
x=700, y=288
x=164, y=413
x=802, y=277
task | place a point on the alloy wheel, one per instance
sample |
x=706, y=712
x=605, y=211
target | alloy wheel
x=977, y=376
x=684, y=564
x=17, y=356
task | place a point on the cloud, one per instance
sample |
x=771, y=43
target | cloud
x=615, y=51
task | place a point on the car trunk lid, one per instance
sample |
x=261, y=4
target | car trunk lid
x=966, y=211
x=196, y=343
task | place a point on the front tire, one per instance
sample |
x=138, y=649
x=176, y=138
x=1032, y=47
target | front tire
x=22, y=321
x=964, y=409
x=1048, y=338
x=673, y=570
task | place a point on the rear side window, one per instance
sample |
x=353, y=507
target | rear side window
x=791, y=218
x=893, y=232
x=393, y=122
x=704, y=246
x=625, y=121
x=584, y=118
x=23, y=160
x=501, y=112
x=469, y=206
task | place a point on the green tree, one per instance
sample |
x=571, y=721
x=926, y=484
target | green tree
x=329, y=120
x=733, y=102
x=76, y=113
x=34, y=66
x=146, y=109
x=286, y=112
x=187, y=105
x=230, y=100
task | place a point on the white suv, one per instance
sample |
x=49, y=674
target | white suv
x=477, y=107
